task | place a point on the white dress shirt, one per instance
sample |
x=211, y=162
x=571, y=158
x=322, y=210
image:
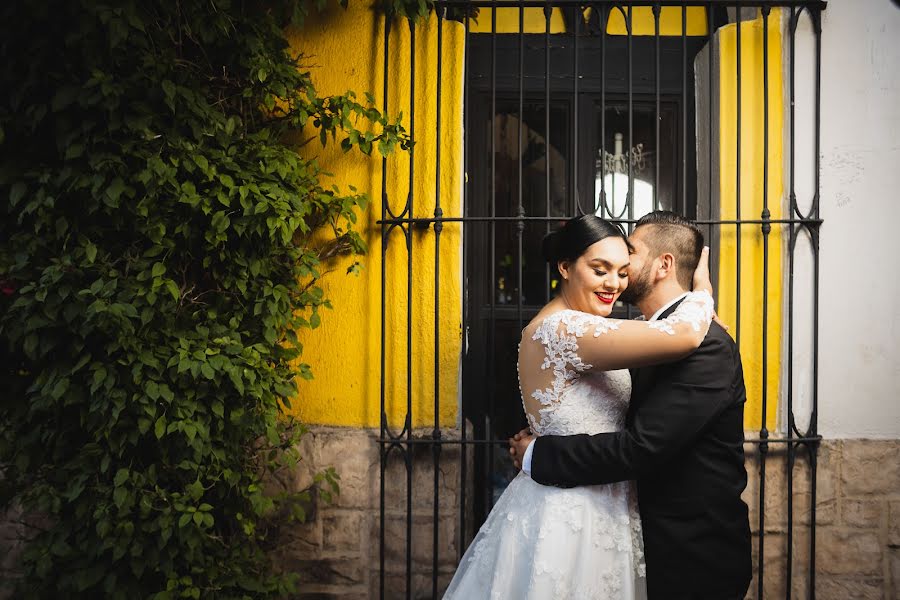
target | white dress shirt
x=526, y=460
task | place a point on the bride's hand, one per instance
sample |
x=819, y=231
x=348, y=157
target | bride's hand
x=518, y=444
x=702, y=280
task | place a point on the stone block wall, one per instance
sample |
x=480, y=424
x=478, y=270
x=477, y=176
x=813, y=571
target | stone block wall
x=857, y=521
x=11, y=533
x=337, y=549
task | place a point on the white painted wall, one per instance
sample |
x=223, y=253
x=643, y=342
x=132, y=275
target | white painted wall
x=859, y=346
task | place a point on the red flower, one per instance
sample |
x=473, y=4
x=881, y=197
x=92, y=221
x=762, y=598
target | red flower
x=7, y=288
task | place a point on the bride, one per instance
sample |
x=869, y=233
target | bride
x=584, y=542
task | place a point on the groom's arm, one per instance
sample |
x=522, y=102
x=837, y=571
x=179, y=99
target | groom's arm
x=673, y=414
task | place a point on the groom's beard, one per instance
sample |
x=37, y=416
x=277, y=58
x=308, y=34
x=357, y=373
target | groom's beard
x=638, y=286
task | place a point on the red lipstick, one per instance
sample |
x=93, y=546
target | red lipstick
x=605, y=298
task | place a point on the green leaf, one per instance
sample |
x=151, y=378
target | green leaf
x=173, y=290
x=236, y=381
x=115, y=190
x=16, y=193
x=158, y=269
x=61, y=387
x=160, y=428
x=85, y=358
x=90, y=253
x=121, y=477
x=120, y=496
x=207, y=371
x=201, y=162
x=30, y=345
x=166, y=392
x=195, y=490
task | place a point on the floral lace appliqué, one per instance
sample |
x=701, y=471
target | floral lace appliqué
x=696, y=309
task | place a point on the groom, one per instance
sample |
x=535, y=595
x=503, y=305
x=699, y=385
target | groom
x=683, y=439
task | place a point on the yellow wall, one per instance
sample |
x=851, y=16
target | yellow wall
x=670, y=21
x=751, y=168
x=345, y=350
x=345, y=51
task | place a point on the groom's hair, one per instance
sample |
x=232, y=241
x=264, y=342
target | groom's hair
x=672, y=233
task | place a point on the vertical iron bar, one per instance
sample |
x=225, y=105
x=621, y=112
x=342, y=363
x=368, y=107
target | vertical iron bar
x=384, y=239
x=603, y=16
x=438, y=227
x=710, y=31
x=657, y=70
x=737, y=183
x=812, y=448
x=409, y=304
x=520, y=225
x=766, y=228
x=629, y=196
x=578, y=17
x=548, y=12
x=488, y=425
x=814, y=416
x=684, y=111
x=465, y=198
x=791, y=447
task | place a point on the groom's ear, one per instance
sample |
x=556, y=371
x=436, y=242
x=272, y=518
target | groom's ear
x=666, y=267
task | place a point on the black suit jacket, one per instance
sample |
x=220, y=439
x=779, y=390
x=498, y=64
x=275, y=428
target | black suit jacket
x=683, y=443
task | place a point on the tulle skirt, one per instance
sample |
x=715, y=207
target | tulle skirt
x=543, y=542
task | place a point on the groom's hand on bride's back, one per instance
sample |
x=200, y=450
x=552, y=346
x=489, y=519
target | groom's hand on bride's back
x=518, y=444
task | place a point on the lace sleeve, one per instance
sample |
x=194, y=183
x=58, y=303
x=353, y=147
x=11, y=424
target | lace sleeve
x=696, y=309
x=618, y=344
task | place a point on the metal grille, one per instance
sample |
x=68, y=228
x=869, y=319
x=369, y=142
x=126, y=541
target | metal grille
x=573, y=89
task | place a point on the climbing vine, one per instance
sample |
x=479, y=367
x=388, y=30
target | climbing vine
x=161, y=241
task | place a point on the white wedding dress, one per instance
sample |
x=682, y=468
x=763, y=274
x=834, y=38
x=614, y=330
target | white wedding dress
x=543, y=542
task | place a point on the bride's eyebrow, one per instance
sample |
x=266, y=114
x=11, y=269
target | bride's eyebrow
x=608, y=264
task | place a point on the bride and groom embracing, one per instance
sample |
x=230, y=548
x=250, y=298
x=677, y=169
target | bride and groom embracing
x=631, y=480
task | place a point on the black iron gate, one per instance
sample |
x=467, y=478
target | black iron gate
x=551, y=121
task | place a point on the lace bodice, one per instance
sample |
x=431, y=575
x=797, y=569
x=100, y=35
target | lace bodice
x=572, y=397
x=576, y=401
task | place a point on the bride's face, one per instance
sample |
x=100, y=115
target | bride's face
x=594, y=281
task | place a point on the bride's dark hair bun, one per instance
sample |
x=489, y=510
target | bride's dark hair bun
x=550, y=246
x=577, y=235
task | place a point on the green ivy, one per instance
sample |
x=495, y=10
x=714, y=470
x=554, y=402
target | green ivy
x=157, y=260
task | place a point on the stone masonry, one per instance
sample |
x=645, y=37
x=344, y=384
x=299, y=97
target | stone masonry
x=337, y=549
x=857, y=521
